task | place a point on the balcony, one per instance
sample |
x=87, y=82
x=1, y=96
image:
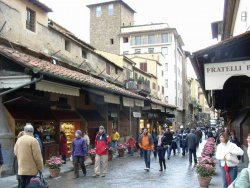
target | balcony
x=138, y=87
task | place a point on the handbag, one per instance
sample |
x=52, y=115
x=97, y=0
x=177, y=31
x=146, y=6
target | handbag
x=38, y=182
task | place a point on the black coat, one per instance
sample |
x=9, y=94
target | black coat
x=169, y=138
x=192, y=141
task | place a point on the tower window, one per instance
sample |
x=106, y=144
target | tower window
x=98, y=11
x=84, y=54
x=110, y=9
x=151, y=50
x=67, y=45
x=111, y=41
x=31, y=20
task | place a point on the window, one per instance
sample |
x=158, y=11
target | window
x=111, y=41
x=162, y=90
x=154, y=86
x=110, y=9
x=166, y=83
x=151, y=39
x=143, y=66
x=98, y=11
x=151, y=50
x=164, y=38
x=164, y=51
x=158, y=88
x=87, y=99
x=30, y=20
x=137, y=51
x=243, y=16
x=128, y=72
x=166, y=66
x=138, y=40
x=125, y=39
x=125, y=53
x=162, y=73
x=84, y=54
x=108, y=68
x=67, y=45
x=136, y=76
x=116, y=70
x=166, y=99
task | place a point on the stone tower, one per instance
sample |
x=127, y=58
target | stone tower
x=106, y=19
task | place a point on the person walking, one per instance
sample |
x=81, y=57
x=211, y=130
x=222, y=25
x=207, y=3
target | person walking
x=63, y=146
x=115, y=137
x=154, y=136
x=192, y=143
x=183, y=143
x=131, y=143
x=86, y=137
x=227, y=154
x=79, y=152
x=138, y=140
x=147, y=145
x=169, y=139
x=29, y=156
x=161, y=149
x=102, y=143
x=1, y=160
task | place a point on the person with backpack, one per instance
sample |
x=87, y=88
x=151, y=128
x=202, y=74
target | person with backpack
x=161, y=149
x=79, y=152
x=102, y=144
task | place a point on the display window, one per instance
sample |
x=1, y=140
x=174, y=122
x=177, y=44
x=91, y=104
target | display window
x=69, y=128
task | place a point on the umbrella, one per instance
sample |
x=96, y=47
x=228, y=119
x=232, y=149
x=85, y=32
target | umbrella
x=228, y=179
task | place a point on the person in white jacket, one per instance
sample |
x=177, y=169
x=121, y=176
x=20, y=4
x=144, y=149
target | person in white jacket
x=227, y=153
x=248, y=150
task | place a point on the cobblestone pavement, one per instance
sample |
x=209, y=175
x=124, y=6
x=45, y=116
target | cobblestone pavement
x=129, y=172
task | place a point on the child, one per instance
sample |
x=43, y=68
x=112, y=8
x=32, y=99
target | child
x=131, y=143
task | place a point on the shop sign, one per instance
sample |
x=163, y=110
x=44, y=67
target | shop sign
x=114, y=114
x=136, y=114
x=216, y=74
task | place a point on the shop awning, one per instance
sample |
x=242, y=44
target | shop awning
x=108, y=98
x=57, y=88
x=66, y=115
x=139, y=103
x=128, y=102
x=13, y=81
x=91, y=115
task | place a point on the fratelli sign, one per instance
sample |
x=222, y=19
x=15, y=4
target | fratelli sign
x=216, y=74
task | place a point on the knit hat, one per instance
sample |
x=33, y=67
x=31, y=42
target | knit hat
x=101, y=128
x=79, y=132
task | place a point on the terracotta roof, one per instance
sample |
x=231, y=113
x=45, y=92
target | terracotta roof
x=63, y=73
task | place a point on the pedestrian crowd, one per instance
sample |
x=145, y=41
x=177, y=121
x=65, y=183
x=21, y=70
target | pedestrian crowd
x=163, y=144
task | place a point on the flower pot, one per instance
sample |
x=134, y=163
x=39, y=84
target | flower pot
x=54, y=172
x=204, y=181
x=121, y=153
x=110, y=156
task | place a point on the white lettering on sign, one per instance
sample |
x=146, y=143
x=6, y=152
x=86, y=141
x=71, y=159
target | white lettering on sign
x=216, y=74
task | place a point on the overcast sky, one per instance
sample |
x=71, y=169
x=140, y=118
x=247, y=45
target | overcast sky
x=191, y=18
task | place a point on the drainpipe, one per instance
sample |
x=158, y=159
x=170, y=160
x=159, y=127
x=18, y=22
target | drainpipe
x=21, y=86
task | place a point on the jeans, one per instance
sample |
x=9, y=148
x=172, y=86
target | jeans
x=178, y=146
x=161, y=155
x=147, y=154
x=24, y=181
x=192, y=152
x=169, y=151
x=155, y=149
x=232, y=172
x=114, y=144
x=131, y=151
x=141, y=152
x=77, y=160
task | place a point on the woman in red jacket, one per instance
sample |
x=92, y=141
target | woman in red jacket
x=131, y=145
x=63, y=146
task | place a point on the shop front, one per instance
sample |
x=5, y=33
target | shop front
x=22, y=110
x=68, y=122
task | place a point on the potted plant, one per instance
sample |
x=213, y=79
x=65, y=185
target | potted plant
x=206, y=165
x=92, y=154
x=110, y=153
x=121, y=150
x=54, y=164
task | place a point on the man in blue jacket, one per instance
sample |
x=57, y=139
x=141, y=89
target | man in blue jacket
x=192, y=143
x=79, y=152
